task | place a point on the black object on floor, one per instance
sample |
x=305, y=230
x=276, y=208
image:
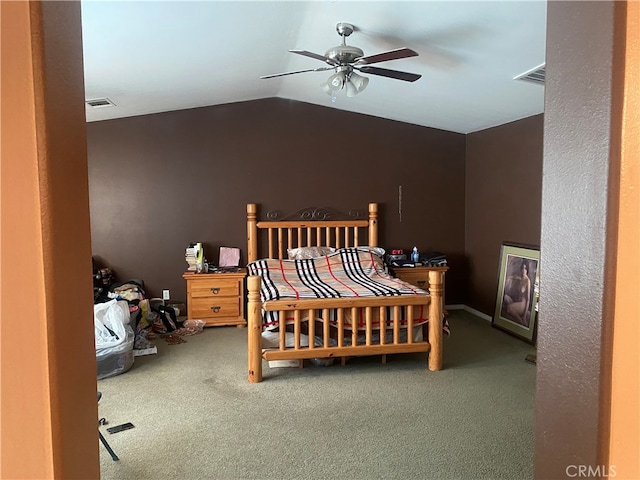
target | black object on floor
x=114, y=457
x=102, y=421
x=120, y=428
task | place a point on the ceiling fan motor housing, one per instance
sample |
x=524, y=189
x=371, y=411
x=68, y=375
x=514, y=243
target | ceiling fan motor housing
x=344, y=54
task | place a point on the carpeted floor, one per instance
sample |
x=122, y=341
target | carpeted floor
x=197, y=417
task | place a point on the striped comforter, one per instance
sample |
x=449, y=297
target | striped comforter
x=349, y=272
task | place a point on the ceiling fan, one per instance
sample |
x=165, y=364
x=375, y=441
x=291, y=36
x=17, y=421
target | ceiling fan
x=345, y=59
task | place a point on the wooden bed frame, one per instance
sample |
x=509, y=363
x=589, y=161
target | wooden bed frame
x=284, y=234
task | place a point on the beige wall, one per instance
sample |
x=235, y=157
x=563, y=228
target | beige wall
x=48, y=397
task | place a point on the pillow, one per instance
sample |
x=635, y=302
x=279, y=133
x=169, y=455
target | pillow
x=379, y=251
x=302, y=253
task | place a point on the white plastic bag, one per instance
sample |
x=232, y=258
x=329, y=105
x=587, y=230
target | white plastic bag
x=114, y=338
x=109, y=321
x=116, y=360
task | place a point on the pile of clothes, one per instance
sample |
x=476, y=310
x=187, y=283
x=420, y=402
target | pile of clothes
x=151, y=317
x=148, y=319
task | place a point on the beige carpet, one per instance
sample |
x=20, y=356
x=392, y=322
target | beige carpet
x=197, y=417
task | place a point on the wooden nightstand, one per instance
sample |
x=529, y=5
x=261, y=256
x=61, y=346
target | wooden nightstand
x=418, y=276
x=217, y=298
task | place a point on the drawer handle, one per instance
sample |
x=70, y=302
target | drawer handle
x=215, y=308
x=421, y=283
x=215, y=290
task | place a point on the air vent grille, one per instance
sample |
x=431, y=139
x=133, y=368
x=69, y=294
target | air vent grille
x=535, y=75
x=100, y=103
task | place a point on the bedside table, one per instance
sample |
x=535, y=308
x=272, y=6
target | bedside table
x=418, y=276
x=216, y=298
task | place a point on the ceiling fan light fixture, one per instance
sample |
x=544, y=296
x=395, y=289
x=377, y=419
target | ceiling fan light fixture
x=356, y=84
x=337, y=81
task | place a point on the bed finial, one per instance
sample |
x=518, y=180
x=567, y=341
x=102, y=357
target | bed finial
x=252, y=232
x=373, y=224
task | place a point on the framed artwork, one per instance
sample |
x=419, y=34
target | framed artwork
x=518, y=287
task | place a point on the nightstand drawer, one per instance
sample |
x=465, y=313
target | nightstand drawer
x=215, y=307
x=215, y=288
x=418, y=278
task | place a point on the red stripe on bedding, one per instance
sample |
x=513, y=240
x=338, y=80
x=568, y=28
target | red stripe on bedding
x=372, y=259
x=335, y=278
x=287, y=281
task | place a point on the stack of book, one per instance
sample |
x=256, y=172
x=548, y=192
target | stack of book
x=194, y=256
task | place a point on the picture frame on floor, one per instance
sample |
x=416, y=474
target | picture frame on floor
x=518, y=290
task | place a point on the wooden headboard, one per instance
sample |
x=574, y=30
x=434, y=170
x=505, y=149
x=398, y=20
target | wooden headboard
x=308, y=232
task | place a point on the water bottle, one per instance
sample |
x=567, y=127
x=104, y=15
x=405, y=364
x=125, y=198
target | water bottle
x=415, y=256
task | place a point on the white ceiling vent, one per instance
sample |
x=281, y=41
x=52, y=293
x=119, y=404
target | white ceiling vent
x=100, y=103
x=535, y=75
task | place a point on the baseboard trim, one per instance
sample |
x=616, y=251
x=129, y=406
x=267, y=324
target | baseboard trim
x=458, y=306
x=473, y=311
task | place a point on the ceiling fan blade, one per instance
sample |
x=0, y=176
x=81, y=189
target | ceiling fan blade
x=384, y=72
x=320, y=69
x=385, y=56
x=316, y=56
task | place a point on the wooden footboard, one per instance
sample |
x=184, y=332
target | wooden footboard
x=390, y=312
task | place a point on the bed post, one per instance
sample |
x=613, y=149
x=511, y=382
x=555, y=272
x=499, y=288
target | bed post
x=373, y=224
x=436, y=289
x=254, y=315
x=252, y=233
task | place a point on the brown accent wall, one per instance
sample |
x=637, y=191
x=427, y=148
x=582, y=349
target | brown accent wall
x=503, y=200
x=158, y=182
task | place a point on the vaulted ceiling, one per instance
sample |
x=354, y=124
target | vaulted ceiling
x=154, y=56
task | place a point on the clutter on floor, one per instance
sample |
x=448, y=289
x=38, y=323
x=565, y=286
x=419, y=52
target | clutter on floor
x=126, y=322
